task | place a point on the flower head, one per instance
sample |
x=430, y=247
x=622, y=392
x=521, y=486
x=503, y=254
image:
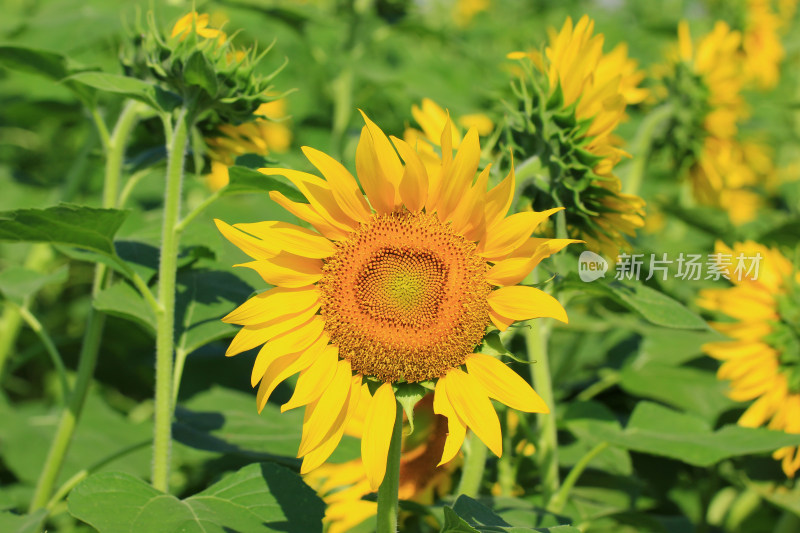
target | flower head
x=762, y=360
x=569, y=107
x=761, y=44
x=389, y=289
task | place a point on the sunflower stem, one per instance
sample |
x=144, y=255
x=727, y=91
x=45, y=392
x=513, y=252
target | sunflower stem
x=547, y=450
x=50, y=347
x=472, y=474
x=95, y=321
x=388, y=505
x=165, y=321
x=642, y=146
x=559, y=499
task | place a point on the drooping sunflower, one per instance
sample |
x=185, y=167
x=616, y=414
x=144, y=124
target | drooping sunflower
x=567, y=121
x=422, y=479
x=268, y=133
x=703, y=86
x=763, y=359
x=761, y=44
x=395, y=287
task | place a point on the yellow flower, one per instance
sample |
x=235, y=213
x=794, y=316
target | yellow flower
x=199, y=23
x=595, y=88
x=394, y=287
x=762, y=360
x=261, y=136
x=763, y=51
x=342, y=486
x=465, y=10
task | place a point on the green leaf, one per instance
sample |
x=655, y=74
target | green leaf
x=658, y=430
x=73, y=225
x=688, y=389
x=29, y=523
x=260, y=497
x=408, y=394
x=247, y=180
x=226, y=421
x=654, y=306
x=580, y=419
x=18, y=284
x=204, y=297
x=470, y=516
x=123, y=300
x=130, y=87
x=51, y=65
x=28, y=429
x=199, y=72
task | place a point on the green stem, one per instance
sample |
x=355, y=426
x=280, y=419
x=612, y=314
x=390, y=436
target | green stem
x=50, y=347
x=198, y=210
x=165, y=324
x=788, y=523
x=547, y=450
x=388, y=505
x=95, y=321
x=642, y=145
x=559, y=499
x=39, y=256
x=180, y=360
x=606, y=381
x=472, y=474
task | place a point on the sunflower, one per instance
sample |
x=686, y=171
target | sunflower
x=343, y=486
x=262, y=136
x=763, y=359
x=570, y=126
x=761, y=44
x=389, y=289
x=197, y=23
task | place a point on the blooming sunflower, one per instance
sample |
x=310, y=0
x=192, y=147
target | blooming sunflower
x=763, y=359
x=569, y=125
x=391, y=288
x=262, y=136
x=343, y=486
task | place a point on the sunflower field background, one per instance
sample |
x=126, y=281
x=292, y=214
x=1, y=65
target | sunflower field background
x=663, y=137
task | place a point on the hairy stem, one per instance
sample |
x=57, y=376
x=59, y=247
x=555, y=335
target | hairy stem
x=165, y=324
x=388, y=505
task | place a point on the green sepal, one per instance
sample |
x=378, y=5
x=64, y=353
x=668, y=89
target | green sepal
x=408, y=394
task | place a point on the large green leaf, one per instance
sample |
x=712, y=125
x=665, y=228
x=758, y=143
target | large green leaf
x=28, y=429
x=130, y=87
x=580, y=419
x=689, y=389
x=226, y=421
x=17, y=283
x=658, y=430
x=248, y=180
x=45, y=63
x=123, y=300
x=470, y=516
x=29, y=523
x=654, y=306
x=204, y=297
x=260, y=497
x=73, y=225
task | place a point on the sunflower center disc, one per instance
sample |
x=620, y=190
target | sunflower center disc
x=405, y=298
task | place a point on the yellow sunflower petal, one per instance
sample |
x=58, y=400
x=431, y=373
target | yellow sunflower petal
x=504, y=385
x=274, y=303
x=523, y=303
x=511, y=233
x=285, y=366
x=472, y=405
x=414, y=185
x=321, y=415
x=255, y=248
x=251, y=336
x=498, y=200
x=379, y=191
x=456, y=430
x=314, y=380
x=309, y=214
x=287, y=270
x=294, y=341
x=378, y=428
x=459, y=179
x=389, y=164
x=320, y=454
x=342, y=183
x=319, y=195
x=286, y=237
